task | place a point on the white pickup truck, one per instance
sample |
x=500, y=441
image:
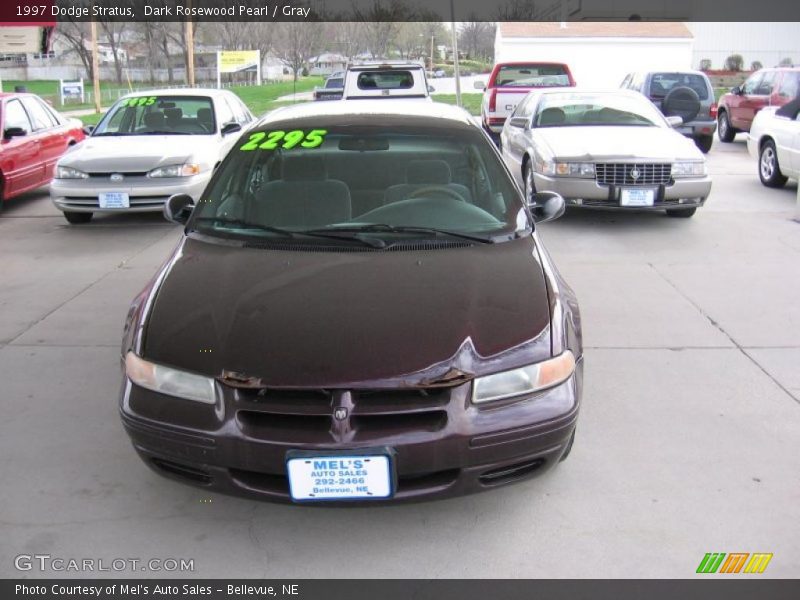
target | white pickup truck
x=510, y=82
x=386, y=80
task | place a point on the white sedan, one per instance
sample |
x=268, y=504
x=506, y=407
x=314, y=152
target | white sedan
x=607, y=149
x=148, y=146
x=774, y=140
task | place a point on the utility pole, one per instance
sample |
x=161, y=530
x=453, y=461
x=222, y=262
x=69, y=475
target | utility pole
x=431, y=54
x=189, y=49
x=95, y=68
x=455, y=54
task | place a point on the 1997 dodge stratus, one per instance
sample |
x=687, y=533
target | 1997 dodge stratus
x=360, y=310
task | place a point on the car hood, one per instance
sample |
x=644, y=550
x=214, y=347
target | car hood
x=137, y=153
x=334, y=319
x=617, y=143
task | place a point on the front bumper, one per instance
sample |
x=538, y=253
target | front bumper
x=688, y=192
x=445, y=446
x=146, y=194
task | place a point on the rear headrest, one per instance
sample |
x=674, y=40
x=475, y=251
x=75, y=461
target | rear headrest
x=154, y=119
x=303, y=168
x=204, y=114
x=173, y=114
x=551, y=115
x=428, y=171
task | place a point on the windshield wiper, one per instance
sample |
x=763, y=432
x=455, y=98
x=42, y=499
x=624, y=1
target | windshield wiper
x=371, y=242
x=383, y=227
x=246, y=225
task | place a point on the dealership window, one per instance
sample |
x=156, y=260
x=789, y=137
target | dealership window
x=16, y=116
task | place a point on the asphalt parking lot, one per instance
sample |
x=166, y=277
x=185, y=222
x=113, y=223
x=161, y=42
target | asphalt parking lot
x=687, y=443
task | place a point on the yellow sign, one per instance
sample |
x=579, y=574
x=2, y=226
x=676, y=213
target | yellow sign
x=233, y=61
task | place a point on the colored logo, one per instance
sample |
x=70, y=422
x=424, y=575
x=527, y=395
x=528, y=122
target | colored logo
x=736, y=562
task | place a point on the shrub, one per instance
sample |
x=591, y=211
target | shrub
x=734, y=62
x=304, y=72
x=786, y=62
x=705, y=64
x=756, y=65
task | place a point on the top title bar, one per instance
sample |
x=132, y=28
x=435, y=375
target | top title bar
x=20, y=12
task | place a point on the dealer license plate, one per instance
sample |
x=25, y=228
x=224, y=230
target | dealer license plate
x=114, y=200
x=339, y=477
x=637, y=197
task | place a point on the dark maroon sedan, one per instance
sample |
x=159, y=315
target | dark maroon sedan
x=360, y=310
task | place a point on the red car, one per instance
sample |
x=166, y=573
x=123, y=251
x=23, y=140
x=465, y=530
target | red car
x=765, y=87
x=34, y=137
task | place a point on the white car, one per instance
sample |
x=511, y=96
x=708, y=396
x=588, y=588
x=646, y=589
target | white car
x=385, y=80
x=774, y=140
x=147, y=147
x=606, y=149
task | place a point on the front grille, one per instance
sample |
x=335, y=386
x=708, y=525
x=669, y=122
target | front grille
x=633, y=174
x=135, y=201
x=108, y=174
x=307, y=416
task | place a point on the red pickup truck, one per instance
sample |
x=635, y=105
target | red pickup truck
x=508, y=84
x=765, y=87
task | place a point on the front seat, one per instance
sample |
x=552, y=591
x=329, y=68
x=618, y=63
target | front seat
x=425, y=173
x=303, y=197
x=206, y=119
x=173, y=117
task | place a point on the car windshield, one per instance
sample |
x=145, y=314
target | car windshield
x=570, y=110
x=532, y=75
x=662, y=83
x=397, y=180
x=159, y=115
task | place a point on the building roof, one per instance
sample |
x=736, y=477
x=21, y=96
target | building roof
x=621, y=29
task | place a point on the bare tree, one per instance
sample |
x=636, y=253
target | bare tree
x=296, y=42
x=516, y=10
x=476, y=38
x=78, y=39
x=113, y=32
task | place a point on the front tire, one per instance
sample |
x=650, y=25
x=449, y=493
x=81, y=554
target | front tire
x=769, y=171
x=725, y=130
x=704, y=143
x=76, y=218
x=681, y=213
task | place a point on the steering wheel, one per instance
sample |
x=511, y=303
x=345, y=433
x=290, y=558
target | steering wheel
x=441, y=190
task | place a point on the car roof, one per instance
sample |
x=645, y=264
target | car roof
x=213, y=92
x=580, y=90
x=379, y=107
x=384, y=65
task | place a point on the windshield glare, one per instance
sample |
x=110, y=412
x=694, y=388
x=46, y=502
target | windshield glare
x=565, y=110
x=300, y=177
x=165, y=115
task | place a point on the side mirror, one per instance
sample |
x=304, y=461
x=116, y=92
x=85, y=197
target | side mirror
x=230, y=128
x=675, y=121
x=88, y=129
x=521, y=122
x=479, y=85
x=11, y=132
x=178, y=208
x=736, y=90
x=546, y=206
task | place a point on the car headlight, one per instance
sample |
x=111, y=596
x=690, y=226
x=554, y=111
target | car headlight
x=524, y=380
x=564, y=169
x=70, y=173
x=574, y=169
x=185, y=170
x=166, y=380
x=689, y=169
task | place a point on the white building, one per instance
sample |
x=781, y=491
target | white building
x=767, y=43
x=599, y=54
x=326, y=63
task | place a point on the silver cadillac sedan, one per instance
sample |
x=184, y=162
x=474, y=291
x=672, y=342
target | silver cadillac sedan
x=610, y=149
x=147, y=147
